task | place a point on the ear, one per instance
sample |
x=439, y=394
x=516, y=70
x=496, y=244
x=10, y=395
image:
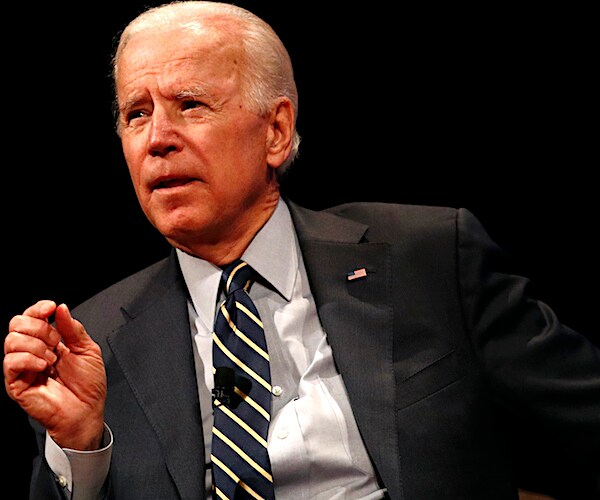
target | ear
x=280, y=133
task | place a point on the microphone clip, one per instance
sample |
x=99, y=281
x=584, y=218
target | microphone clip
x=223, y=391
x=221, y=396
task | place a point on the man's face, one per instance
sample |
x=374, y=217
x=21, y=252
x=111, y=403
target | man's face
x=196, y=155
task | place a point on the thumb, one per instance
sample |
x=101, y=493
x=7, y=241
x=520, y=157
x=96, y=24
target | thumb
x=72, y=331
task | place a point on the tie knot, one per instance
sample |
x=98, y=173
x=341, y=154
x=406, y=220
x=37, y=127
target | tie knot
x=236, y=275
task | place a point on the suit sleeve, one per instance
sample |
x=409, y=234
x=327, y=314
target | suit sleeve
x=544, y=376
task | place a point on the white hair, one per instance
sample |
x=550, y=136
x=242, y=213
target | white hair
x=268, y=73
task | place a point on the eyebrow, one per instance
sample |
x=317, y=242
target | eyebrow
x=129, y=104
x=193, y=92
x=197, y=91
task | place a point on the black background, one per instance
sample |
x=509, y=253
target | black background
x=490, y=108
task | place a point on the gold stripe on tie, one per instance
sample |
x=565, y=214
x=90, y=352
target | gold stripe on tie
x=241, y=334
x=242, y=454
x=248, y=400
x=233, y=476
x=242, y=365
x=243, y=425
x=253, y=403
x=249, y=313
x=232, y=274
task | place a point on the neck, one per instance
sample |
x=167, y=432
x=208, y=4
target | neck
x=224, y=249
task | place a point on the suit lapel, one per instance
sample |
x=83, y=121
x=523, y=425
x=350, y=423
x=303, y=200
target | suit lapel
x=154, y=350
x=358, y=319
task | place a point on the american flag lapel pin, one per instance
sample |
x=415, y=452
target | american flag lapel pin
x=356, y=274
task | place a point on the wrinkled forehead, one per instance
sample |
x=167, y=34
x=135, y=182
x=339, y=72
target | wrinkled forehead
x=209, y=32
x=163, y=49
x=172, y=62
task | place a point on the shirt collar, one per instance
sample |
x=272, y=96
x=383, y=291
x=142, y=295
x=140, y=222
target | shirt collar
x=273, y=253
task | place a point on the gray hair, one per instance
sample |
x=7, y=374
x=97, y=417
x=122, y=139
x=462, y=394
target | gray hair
x=268, y=68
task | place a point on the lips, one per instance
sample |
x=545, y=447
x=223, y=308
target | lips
x=171, y=182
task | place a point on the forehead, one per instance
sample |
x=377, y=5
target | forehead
x=172, y=54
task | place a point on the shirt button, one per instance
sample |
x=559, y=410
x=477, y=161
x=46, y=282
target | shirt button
x=276, y=390
x=282, y=433
x=62, y=481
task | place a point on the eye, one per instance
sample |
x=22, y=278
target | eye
x=191, y=104
x=135, y=113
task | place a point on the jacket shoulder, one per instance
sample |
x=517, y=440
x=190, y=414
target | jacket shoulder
x=377, y=210
x=394, y=220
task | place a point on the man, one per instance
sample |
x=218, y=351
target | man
x=403, y=352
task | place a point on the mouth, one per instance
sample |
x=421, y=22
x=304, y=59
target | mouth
x=171, y=182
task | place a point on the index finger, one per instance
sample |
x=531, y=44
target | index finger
x=34, y=322
x=42, y=309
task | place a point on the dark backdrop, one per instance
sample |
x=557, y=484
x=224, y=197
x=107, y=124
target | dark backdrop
x=490, y=109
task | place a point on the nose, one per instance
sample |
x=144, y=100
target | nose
x=164, y=138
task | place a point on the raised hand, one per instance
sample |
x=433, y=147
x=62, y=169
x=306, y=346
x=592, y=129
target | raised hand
x=56, y=374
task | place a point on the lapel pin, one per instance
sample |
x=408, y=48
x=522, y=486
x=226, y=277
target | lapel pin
x=356, y=274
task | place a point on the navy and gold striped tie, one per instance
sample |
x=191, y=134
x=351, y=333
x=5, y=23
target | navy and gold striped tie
x=241, y=465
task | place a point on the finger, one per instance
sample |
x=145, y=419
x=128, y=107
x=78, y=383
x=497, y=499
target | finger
x=42, y=309
x=34, y=327
x=21, y=364
x=15, y=387
x=19, y=342
x=72, y=331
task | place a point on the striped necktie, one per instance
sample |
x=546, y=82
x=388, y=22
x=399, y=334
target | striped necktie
x=242, y=394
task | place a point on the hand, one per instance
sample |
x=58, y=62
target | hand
x=61, y=384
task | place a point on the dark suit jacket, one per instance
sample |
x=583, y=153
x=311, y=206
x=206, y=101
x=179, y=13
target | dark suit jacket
x=450, y=364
